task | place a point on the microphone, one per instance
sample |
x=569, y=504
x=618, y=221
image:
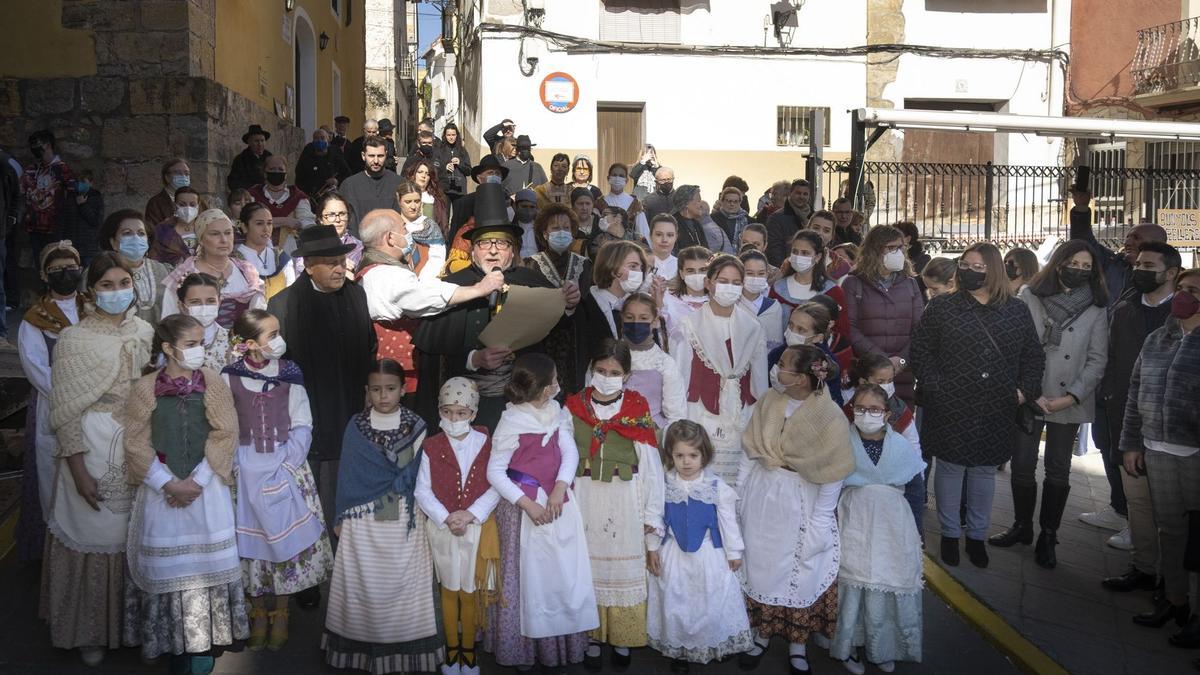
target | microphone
x=494, y=296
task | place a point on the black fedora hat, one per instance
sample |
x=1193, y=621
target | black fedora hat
x=256, y=129
x=321, y=240
x=489, y=162
x=385, y=125
x=524, y=142
x=491, y=213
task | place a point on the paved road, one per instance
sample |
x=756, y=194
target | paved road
x=950, y=645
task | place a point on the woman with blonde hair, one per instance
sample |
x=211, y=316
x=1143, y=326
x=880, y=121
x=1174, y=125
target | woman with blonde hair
x=241, y=286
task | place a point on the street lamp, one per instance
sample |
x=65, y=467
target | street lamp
x=323, y=40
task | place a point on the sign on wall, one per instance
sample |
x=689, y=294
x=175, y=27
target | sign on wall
x=1182, y=226
x=559, y=92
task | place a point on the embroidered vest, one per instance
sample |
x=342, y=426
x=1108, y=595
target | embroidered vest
x=263, y=417
x=705, y=385
x=617, y=456
x=534, y=465
x=688, y=522
x=178, y=431
x=395, y=339
x=446, y=478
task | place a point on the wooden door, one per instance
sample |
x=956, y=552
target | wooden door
x=620, y=133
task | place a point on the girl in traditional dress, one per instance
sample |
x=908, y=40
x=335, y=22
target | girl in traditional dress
x=280, y=530
x=548, y=602
x=722, y=356
x=95, y=363
x=688, y=289
x=654, y=375
x=183, y=553
x=381, y=616
x=809, y=324
x=797, y=455
x=879, y=583
x=697, y=613
x=200, y=298
x=803, y=276
x=619, y=485
x=453, y=492
x=36, y=337
x=770, y=312
x=273, y=264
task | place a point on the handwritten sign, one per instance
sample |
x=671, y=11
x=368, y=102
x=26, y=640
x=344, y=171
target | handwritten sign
x=1182, y=226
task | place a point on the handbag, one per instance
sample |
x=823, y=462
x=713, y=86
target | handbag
x=1027, y=412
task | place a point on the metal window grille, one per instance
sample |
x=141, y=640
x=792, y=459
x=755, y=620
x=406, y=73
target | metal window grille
x=651, y=21
x=1178, y=162
x=792, y=125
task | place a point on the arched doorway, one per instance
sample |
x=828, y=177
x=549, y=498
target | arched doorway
x=305, y=74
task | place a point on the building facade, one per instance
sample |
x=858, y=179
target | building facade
x=127, y=85
x=391, y=64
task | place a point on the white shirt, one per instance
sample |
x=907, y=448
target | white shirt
x=666, y=268
x=528, y=243
x=505, y=446
x=466, y=451
x=394, y=292
x=35, y=358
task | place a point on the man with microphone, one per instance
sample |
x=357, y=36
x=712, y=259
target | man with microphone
x=454, y=335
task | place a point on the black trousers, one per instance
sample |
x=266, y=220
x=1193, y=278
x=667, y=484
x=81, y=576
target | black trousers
x=1060, y=445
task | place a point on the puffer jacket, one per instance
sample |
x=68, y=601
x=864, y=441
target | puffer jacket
x=882, y=320
x=1164, y=391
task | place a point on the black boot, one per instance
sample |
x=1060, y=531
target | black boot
x=1163, y=613
x=1054, y=500
x=950, y=551
x=977, y=552
x=1021, y=532
x=1189, y=637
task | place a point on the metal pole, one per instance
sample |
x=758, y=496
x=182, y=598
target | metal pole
x=989, y=201
x=816, y=156
x=858, y=151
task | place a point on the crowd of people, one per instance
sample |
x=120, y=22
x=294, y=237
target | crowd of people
x=724, y=438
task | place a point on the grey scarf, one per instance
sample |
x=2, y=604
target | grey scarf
x=1062, y=310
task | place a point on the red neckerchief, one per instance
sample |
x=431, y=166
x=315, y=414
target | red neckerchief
x=632, y=421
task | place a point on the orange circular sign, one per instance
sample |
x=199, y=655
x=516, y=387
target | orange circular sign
x=559, y=92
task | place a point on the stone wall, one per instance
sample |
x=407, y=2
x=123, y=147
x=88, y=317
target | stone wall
x=885, y=25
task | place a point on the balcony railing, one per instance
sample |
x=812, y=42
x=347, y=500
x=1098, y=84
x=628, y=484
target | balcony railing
x=1167, y=58
x=408, y=66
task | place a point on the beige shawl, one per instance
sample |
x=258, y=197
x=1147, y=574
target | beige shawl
x=814, y=441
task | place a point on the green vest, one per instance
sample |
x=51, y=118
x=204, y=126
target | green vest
x=616, y=455
x=180, y=438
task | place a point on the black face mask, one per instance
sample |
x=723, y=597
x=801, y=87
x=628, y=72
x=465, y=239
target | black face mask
x=1011, y=270
x=64, y=282
x=970, y=280
x=1147, y=281
x=1073, y=277
x=276, y=178
x=425, y=149
x=666, y=189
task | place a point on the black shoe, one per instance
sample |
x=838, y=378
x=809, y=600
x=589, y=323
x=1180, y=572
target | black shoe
x=748, y=661
x=1132, y=580
x=1189, y=637
x=309, y=598
x=1043, y=553
x=950, y=550
x=680, y=667
x=1019, y=533
x=1162, y=613
x=620, y=662
x=593, y=664
x=977, y=552
x=799, y=671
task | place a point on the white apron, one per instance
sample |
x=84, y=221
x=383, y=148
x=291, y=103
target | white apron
x=557, y=595
x=882, y=548
x=76, y=524
x=454, y=557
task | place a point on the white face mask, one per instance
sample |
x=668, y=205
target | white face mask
x=792, y=338
x=632, y=281
x=775, y=383
x=694, y=281
x=456, y=428
x=607, y=385
x=893, y=261
x=867, y=424
x=187, y=213
x=756, y=285
x=205, y=314
x=275, y=348
x=889, y=389
x=727, y=294
x=190, y=358
x=801, y=263
x=617, y=183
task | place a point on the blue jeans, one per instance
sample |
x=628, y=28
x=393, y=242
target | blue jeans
x=976, y=492
x=914, y=493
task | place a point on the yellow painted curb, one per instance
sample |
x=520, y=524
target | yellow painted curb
x=1027, y=656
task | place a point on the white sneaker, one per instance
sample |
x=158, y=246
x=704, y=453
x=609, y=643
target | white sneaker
x=1121, y=540
x=451, y=669
x=1106, y=518
x=853, y=665
x=470, y=670
x=91, y=656
x=886, y=666
x=820, y=641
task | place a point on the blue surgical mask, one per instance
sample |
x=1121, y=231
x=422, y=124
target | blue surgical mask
x=114, y=302
x=133, y=247
x=82, y=186
x=636, y=332
x=560, y=240
x=493, y=178
x=179, y=181
x=321, y=146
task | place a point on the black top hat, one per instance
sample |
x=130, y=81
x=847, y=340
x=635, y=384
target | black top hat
x=489, y=162
x=385, y=125
x=524, y=142
x=491, y=213
x=321, y=240
x=255, y=129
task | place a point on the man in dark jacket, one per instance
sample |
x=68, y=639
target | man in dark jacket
x=523, y=170
x=688, y=209
x=1135, y=317
x=505, y=129
x=659, y=201
x=321, y=165
x=246, y=171
x=1118, y=265
x=386, y=130
x=488, y=170
x=341, y=124
x=455, y=163
x=785, y=223
x=425, y=149
x=354, y=154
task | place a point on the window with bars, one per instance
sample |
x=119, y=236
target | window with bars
x=651, y=21
x=792, y=125
x=1178, y=186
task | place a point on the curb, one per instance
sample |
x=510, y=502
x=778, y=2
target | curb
x=1024, y=654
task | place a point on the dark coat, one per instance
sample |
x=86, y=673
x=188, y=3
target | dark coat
x=781, y=227
x=1117, y=270
x=882, y=321
x=312, y=170
x=969, y=392
x=655, y=203
x=246, y=171
x=691, y=233
x=453, y=179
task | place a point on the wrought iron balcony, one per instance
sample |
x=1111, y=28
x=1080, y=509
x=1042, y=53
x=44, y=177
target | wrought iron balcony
x=1167, y=58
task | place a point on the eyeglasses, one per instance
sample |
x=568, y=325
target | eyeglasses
x=869, y=412
x=340, y=215
x=894, y=248
x=61, y=268
x=977, y=267
x=497, y=244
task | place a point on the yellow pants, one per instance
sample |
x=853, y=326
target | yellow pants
x=458, y=610
x=621, y=626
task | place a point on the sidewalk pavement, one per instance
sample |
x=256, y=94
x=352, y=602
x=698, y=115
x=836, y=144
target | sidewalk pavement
x=1065, y=611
